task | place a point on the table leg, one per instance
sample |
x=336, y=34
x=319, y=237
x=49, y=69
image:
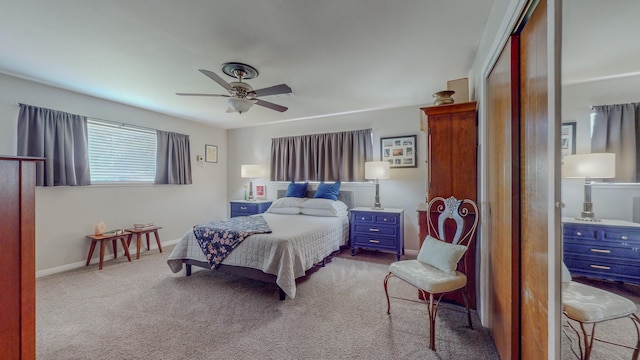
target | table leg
x=148, y=247
x=114, y=243
x=138, y=244
x=126, y=248
x=155, y=232
x=93, y=247
x=103, y=245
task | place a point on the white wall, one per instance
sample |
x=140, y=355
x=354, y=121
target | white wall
x=65, y=214
x=405, y=189
x=609, y=201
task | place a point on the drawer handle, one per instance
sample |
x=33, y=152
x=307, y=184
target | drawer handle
x=375, y=241
x=624, y=237
x=600, y=267
x=578, y=233
x=243, y=208
x=385, y=220
x=374, y=230
x=362, y=218
x=601, y=251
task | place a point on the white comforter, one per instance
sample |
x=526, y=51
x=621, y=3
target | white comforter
x=297, y=243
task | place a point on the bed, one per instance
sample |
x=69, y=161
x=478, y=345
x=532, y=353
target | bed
x=297, y=243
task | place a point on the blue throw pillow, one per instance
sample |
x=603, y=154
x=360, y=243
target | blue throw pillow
x=328, y=191
x=297, y=190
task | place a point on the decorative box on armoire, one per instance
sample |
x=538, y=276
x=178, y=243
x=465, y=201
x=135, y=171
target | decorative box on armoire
x=452, y=141
x=17, y=257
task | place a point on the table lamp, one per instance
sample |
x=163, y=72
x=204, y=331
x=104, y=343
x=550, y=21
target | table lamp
x=250, y=172
x=589, y=166
x=377, y=170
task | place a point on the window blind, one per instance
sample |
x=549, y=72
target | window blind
x=119, y=153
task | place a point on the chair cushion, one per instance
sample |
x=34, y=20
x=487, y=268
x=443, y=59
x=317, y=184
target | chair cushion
x=427, y=277
x=441, y=254
x=588, y=304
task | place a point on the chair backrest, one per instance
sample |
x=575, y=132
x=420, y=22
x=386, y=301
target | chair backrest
x=463, y=216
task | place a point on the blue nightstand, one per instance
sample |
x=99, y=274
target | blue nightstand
x=246, y=208
x=377, y=229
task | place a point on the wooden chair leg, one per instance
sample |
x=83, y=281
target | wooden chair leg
x=91, y=248
x=433, y=310
x=126, y=248
x=148, y=247
x=155, y=232
x=103, y=246
x=114, y=244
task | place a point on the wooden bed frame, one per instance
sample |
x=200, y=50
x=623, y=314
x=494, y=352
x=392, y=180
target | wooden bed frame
x=255, y=274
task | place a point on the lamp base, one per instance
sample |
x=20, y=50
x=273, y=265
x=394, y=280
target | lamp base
x=377, y=207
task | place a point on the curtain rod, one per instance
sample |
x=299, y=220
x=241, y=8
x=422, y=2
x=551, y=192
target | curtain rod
x=95, y=118
x=334, y=132
x=632, y=103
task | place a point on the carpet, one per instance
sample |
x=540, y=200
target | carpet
x=141, y=310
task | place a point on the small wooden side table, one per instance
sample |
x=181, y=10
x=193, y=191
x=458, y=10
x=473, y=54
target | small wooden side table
x=146, y=231
x=125, y=238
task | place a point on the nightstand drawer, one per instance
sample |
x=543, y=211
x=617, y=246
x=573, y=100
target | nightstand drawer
x=246, y=208
x=374, y=241
x=598, y=267
x=580, y=233
x=602, y=251
x=629, y=237
x=375, y=229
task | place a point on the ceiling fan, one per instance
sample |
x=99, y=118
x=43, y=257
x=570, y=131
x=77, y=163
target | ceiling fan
x=241, y=95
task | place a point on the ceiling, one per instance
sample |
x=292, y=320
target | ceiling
x=338, y=56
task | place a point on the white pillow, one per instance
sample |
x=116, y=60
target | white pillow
x=323, y=212
x=318, y=203
x=286, y=202
x=284, y=210
x=441, y=254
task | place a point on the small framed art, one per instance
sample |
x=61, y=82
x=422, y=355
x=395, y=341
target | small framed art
x=211, y=153
x=399, y=151
x=261, y=191
x=568, y=138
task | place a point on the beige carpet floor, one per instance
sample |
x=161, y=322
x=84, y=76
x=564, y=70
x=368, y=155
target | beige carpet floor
x=141, y=310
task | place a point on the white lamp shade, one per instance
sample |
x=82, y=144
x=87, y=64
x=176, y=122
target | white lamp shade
x=377, y=170
x=594, y=166
x=250, y=171
x=239, y=105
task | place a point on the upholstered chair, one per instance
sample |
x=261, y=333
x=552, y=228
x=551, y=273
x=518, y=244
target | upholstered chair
x=452, y=225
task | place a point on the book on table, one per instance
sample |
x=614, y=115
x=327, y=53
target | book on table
x=143, y=226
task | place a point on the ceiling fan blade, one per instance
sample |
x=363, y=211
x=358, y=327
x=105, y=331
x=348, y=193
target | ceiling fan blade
x=273, y=90
x=192, y=94
x=271, y=105
x=213, y=76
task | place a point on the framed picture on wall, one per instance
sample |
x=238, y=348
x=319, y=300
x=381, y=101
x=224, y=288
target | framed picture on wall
x=568, y=138
x=399, y=151
x=211, y=153
x=261, y=191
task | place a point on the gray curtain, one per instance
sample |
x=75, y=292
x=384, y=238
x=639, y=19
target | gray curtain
x=321, y=157
x=616, y=129
x=173, y=164
x=61, y=138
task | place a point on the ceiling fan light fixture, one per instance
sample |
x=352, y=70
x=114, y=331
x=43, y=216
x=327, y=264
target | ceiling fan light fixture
x=240, y=105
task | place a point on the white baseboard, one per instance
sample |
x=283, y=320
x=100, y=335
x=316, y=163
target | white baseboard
x=79, y=264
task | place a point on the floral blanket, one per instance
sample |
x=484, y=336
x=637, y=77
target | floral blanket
x=218, y=238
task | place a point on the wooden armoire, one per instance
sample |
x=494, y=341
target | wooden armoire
x=452, y=140
x=17, y=257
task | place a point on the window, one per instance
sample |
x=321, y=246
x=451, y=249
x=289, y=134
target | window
x=119, y=153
